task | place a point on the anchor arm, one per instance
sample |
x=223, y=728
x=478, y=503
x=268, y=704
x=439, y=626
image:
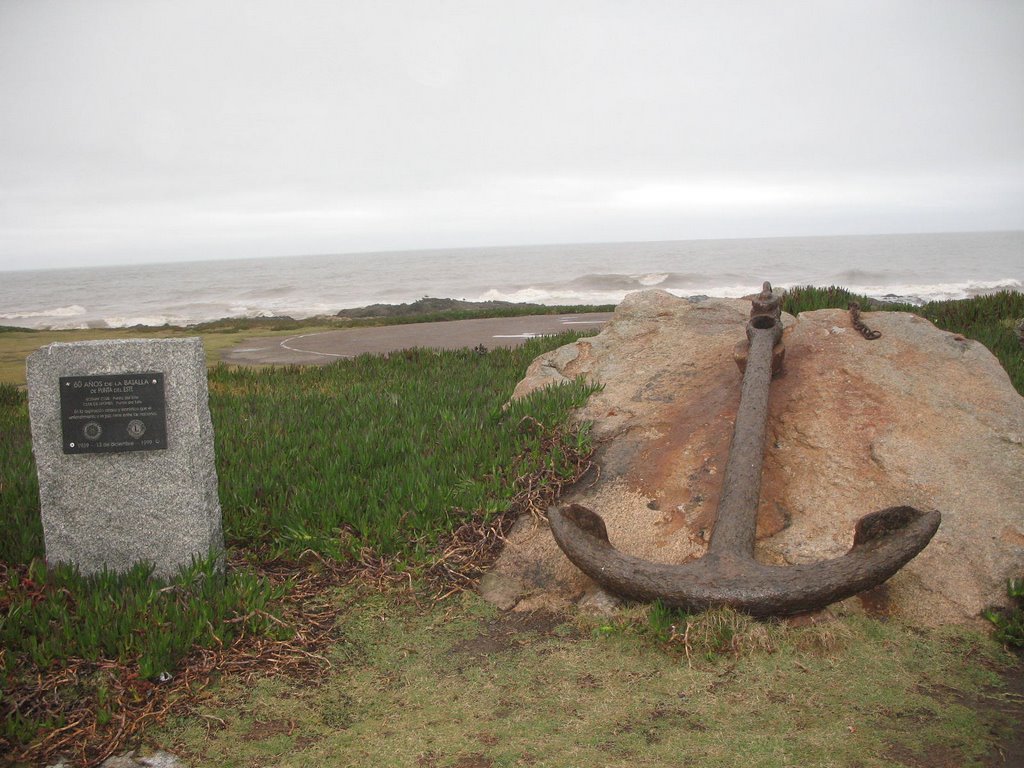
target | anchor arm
x=895, y=536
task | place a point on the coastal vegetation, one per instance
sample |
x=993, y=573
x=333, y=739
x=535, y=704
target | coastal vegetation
x=384, y=452
x=360, y=502
x=1009, y=621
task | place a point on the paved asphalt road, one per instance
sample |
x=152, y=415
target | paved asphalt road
x=325, y=346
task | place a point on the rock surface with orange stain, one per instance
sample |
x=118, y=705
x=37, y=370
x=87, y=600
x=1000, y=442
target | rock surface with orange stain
x=919, y=417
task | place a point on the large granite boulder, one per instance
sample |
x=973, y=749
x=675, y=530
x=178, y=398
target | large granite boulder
x=920, y=417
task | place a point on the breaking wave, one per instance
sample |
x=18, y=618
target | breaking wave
x=916, y=293
x=73, y=310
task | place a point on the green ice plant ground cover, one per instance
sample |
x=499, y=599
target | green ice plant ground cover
x=1009, y=621
x=379, y=452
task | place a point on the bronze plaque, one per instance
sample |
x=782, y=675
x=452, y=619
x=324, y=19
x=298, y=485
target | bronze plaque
x=113, y=413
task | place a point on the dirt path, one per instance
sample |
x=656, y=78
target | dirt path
x=325, y=346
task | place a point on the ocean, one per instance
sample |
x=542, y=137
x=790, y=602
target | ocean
x=916, y=268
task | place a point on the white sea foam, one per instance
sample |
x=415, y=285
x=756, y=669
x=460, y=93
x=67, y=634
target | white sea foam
x=921, y=293
x=129, y=321
x=653, y=279
x=72, y=310
x=552, y=296
x=194, y=315
x=58, y=326
x=555, y=295
x=243, y=310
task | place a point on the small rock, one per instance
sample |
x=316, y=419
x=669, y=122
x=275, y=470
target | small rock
x=599, y=603
x=501, y=590
x=158, y=759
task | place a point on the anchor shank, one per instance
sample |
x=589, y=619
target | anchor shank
x=736, y=523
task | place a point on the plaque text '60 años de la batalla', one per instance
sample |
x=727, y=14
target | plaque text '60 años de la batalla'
x=113, y=413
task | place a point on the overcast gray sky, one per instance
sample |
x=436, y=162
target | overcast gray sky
x=138, y=130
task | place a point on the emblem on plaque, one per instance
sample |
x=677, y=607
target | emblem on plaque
x=135, y=429
x=92, y=431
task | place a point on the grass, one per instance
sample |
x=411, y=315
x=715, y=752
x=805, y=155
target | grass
x=19, y=489
x=549, y=690
x=55, y=614
x=1009, y=622
x=380, y=452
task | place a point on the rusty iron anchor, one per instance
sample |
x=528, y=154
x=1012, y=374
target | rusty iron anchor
x=728, y=574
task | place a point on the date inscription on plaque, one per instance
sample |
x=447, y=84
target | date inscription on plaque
x=113, y=413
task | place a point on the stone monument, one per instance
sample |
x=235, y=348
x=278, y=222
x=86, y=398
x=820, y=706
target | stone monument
x=123, y=443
